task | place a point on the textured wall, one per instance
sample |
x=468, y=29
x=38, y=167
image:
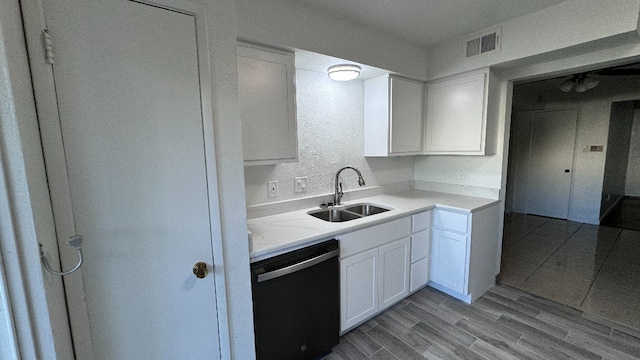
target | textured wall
x=330, y=135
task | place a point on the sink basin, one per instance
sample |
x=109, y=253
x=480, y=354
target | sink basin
x=346, y=213
x=366, y=209
x=334, y=215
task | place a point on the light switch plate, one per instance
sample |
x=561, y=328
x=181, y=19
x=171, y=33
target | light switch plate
x=300, y=184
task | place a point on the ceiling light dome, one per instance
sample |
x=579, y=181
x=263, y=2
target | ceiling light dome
x=344, y=72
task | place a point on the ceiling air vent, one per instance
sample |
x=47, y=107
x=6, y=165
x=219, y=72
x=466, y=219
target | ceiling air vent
x=483, y=42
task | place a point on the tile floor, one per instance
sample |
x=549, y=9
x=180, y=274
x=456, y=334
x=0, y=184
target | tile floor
x=592, y=268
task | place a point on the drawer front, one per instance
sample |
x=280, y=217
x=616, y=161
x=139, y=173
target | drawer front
x=419, y=274
x=420, y=221
x=419, y=245
x=451, y=221
x=369, y=238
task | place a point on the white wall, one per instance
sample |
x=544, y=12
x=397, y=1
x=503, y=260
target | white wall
x=632, y=187
x=330, y=135
x=572, y=26
x=291, y=24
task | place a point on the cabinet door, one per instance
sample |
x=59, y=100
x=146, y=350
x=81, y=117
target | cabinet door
x=456, y=121
x=358, y=288
x=267, y=105
x=406, y=101
x=394, y=272
x=448, y=261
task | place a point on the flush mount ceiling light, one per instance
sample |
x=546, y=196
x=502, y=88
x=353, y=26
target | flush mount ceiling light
x=344, y=72
x=581, y=82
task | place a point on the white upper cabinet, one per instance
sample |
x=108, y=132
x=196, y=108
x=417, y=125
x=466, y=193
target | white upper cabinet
x=266, y=82
x=393, y=116
x=458, y=120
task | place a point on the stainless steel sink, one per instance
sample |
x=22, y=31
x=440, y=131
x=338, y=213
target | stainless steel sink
x=366, y=209
x=334, y=215
x=347, y=213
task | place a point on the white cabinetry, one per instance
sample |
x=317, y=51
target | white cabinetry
x=462, y=115
x=464, y=259
x=358, y=287
x=393, y=116
x=394, y=272
x=267, y=105
x=374, y=270
x=420, y=250
x=449, y=257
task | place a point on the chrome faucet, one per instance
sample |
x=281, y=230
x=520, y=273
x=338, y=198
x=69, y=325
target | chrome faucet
x=338, y=193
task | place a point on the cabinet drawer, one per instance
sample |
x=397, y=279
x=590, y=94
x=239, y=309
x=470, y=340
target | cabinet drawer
x=419, y=245
x=419, y=274
x=420, y=221
x=451, y=221
x=357, y=241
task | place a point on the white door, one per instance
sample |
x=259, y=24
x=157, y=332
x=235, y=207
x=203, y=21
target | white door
x=128, y=84
x=553, y=136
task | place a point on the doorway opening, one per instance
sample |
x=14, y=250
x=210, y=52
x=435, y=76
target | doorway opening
x=554, y=244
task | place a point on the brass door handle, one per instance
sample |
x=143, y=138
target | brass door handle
x=200, y=270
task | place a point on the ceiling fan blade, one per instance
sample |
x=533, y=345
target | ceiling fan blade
x=617, y=72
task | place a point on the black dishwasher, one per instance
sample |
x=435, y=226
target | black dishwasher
x=296, y=303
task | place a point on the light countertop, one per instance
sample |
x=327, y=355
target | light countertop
x=277, y=234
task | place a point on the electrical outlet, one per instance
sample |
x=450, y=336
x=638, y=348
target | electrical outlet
x=462, y=173
x=300, y=184
x=272, y=188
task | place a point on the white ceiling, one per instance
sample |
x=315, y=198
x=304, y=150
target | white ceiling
x=423, y=22
x=429, y=22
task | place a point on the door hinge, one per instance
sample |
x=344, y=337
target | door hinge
x=48, y=47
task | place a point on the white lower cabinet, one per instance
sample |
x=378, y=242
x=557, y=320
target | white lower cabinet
x=394, y=272
x=374, y=270
x=419, y=274
x=455, y=252
x=420, y=250
x=465, y=252
x=358, y=287
x=449, y=256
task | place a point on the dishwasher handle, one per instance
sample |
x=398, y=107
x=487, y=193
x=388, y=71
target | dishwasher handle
x=297, y=267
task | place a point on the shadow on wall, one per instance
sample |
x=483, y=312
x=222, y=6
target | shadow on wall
x=617, y=154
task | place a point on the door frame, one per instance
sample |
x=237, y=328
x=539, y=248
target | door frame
x=53, y=148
